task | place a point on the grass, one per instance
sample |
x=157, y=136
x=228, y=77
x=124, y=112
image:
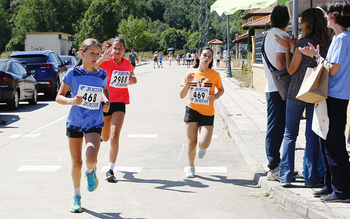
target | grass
x=244, y=76
x=245, y=79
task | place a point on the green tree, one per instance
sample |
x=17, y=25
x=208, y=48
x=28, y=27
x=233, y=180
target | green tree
x=100, y=21
x=192, y=41
x=134, y=32
x=102, y=18
x=154, y=9
x=5, y=32
x=40, y=16
x=251, y=32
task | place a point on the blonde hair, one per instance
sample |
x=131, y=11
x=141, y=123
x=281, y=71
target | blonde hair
x=85, y=45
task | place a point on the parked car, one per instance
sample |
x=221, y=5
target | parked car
x=48, y=66
x=16, y=84
x=69, y=61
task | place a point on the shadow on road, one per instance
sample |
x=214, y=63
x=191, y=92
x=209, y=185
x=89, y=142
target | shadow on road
x=166, y=184
x=237, y=182
x=105, y=215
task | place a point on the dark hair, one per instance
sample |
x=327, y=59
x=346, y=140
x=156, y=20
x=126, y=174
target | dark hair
x=340, y=10
x=280, y=16
x=316, y=26
x=108, y=43
x=196, y=60
x=85, y=45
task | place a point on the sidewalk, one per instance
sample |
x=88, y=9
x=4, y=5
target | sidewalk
x=244, y=112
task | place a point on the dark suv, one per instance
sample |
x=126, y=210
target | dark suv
x=48, y=66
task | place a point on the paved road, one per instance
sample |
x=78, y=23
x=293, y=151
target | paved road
x=35, y=163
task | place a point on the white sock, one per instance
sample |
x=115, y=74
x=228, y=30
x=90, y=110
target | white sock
x=77, y=192
x=111, y=166
x=89, y=170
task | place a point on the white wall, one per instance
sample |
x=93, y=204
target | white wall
x=48, y=41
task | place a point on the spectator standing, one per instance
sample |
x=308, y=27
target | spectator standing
x=314, y=30
x=133, y=58
x=225, y=57
x=335, y=155
x=276, y=107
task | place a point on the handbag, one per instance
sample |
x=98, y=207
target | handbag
x=320, y=120
x=314, y=87
x=281, y=77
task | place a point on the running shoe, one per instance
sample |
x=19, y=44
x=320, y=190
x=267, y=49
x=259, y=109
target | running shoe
x=190, y=172
x=75, y=206
x=92, y=181
x=110, y=176
x=201, y=152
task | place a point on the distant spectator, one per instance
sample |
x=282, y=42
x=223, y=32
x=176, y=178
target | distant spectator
x=225, y=56
x=71, y=51
x=218, y=58
x=133, y=58
x=155, y=60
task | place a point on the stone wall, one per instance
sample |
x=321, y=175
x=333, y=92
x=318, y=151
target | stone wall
x=258, y=78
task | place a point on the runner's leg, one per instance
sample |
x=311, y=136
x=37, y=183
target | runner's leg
x=191, y=130
x=117, y=121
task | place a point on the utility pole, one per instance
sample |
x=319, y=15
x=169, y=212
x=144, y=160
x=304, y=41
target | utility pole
x=229, y=73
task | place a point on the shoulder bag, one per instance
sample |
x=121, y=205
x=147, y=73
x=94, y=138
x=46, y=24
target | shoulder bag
x=281, y=77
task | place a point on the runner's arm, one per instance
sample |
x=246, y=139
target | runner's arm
x=62, y=99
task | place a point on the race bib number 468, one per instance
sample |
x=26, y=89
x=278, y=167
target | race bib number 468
x=199, y=95
x=119, y=79
x=91, y=96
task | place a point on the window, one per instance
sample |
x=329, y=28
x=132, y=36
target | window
x=21, y=69
x=30, y=58
x=2, y=66
x=16, y=70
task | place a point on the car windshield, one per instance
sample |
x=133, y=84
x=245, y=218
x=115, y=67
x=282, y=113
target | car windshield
x=3, y=66
x=31, y=58
x=65, y=59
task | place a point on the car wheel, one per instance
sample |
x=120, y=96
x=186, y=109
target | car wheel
x=34, y=99
x=14, y=103
x=54, y=93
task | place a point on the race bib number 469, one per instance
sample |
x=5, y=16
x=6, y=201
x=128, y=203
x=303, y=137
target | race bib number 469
x=199, y=95
x=91, y=96
x=119, y=79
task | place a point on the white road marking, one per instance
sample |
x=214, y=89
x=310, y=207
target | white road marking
x=59, y=157
x=39, y=168
x=24, y=135
x=57, y=120
x=208, y=169
x=123, y=169
x=31, y=135
x=142, y=135
x=214, y=136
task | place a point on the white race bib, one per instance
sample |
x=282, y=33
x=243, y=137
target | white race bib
x=91, y=96
x=120, y=79
x=199, y=95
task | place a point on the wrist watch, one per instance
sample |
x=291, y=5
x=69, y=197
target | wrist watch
x=316, y=57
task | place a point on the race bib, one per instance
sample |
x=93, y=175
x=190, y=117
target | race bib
x=119, y=79
x=199, y=95
x=91, y=96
